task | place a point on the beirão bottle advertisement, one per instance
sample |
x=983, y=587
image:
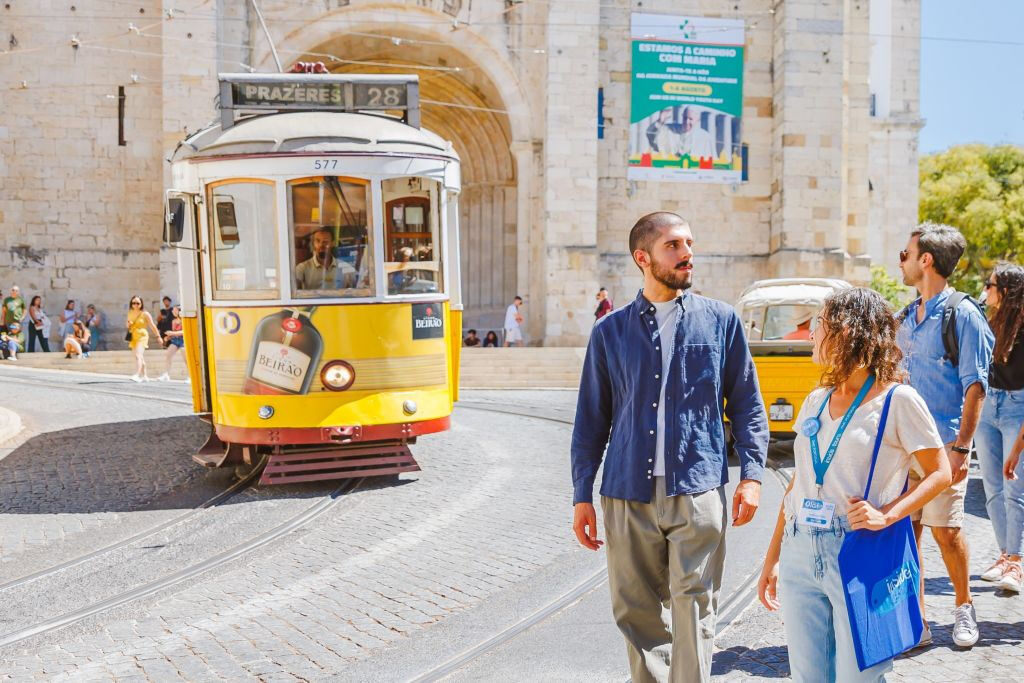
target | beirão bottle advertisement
x=286, y=350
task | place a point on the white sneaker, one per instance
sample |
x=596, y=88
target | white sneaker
x=163, y=378
x=136, y=378
x=926, y=637
x=145, y=378
x=965, y=625
x=995, y=572
x=1012, y=577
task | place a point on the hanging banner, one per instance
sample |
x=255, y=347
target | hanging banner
x=687, y=99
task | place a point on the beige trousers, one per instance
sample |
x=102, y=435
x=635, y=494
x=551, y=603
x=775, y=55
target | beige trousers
x=667, y=553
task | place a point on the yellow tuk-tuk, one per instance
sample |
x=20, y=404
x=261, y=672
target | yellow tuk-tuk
x=778, y=316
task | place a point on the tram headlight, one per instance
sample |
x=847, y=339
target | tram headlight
x=337, y=375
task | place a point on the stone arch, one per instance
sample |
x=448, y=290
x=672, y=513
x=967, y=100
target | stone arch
x=490, y=117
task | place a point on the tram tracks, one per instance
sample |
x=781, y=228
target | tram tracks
x=729, y=609
x=49, y=624
x=293, y=523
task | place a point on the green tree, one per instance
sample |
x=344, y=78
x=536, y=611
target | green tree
x=980, y=190
x=889, y=287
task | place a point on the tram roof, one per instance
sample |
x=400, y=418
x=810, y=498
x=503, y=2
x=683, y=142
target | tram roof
x=314, y=132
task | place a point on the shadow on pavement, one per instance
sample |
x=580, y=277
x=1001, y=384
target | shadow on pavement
x=124, y=467
x=767, y=662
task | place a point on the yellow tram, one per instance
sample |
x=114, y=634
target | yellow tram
x=316, y=228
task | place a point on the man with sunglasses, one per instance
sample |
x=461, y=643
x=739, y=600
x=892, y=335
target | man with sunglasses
x=954, y=393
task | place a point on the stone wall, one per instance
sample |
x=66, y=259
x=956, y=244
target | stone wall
x=80, y=214
x=830, y=118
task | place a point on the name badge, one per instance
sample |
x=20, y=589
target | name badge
x=816, y=513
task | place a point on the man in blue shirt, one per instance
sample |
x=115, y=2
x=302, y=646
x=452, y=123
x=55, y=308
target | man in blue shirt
x=954, y=395
x=655, y=378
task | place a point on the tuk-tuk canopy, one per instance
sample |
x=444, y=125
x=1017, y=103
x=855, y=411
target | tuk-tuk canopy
x=789, y=292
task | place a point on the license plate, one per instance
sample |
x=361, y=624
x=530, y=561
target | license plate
x=780, y=412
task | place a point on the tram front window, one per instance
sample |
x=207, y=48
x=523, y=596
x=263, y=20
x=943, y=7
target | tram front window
x=331, y=243
x=412, y=225
x=242, y=216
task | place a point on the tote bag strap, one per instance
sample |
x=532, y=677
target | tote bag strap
x=878, y=439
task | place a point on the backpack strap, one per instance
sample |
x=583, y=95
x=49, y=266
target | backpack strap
x=950, y=340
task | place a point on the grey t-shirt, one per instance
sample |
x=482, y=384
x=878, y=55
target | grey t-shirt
x=665, y=313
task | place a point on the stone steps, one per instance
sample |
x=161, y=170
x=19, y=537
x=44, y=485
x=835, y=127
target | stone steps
x=502, y=368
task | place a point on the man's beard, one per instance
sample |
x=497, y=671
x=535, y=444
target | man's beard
x=670, y=277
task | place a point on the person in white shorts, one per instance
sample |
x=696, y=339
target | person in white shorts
x=513, y=320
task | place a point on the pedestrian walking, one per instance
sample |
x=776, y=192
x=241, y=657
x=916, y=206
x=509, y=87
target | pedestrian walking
x=604, y=304
x=656, y=375
x=951, y=375
x=1000, y=435
x=860, y=402
x=38, y=325
x=174, y=340
x=513, y=321
x=163, y=320
x=138, y=324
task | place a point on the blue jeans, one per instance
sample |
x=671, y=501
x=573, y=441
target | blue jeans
x=1001, y=419
x=814, y=614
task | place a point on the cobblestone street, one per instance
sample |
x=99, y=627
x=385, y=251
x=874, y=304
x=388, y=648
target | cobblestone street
x=391, y=581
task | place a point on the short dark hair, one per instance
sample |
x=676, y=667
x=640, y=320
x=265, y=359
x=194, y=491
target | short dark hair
x=166, y=298
x=649, y=227
x=518, y=298
x=943, y=242
x=471, y=332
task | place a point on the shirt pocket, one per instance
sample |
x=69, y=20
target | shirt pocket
x=699, y=364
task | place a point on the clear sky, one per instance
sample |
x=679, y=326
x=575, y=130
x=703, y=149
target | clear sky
x=972, y=91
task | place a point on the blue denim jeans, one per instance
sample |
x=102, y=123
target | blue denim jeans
x=1001, y=418
x=814, y=614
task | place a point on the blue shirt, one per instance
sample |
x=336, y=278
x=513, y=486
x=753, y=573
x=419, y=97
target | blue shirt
x=941, y=385
x=619, y=393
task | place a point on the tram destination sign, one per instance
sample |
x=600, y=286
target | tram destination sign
x=315, y=92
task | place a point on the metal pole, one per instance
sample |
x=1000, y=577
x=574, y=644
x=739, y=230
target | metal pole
x=273, y=50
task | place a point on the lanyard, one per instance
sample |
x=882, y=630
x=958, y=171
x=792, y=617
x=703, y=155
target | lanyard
x=821, y=464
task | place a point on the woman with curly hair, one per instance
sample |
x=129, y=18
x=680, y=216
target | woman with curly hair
x=1000, y=435
x=855, y=346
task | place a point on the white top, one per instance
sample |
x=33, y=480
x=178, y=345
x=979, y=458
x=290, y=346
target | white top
x=909, y=428
x=665, y=313
x=510, y=317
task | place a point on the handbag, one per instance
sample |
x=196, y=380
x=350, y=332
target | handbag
x=881, y=578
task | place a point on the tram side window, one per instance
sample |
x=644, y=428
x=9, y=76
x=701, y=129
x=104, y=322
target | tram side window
x=412, y=229
x=243, y=220
x=331, y=237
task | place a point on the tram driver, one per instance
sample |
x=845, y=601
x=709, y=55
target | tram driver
x=322, y=270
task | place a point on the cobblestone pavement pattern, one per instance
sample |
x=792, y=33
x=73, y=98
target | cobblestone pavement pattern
x=487, y=511
x=402, y=558
x=755, y=649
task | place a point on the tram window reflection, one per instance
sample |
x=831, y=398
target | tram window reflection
x=331, y=245
x=412, y=227
x=242, y=216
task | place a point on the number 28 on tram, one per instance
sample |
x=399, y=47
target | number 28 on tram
x=317, y=243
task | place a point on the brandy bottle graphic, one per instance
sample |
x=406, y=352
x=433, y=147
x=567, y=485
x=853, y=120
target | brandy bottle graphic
x=286, y=350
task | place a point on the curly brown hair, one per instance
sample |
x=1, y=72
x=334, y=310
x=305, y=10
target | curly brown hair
x=1006, y=318
x=860, y=331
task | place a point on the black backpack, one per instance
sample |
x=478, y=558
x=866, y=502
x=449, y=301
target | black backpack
x=950, y=342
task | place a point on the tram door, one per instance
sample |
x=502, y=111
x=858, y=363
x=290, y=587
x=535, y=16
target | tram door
x=181, y=232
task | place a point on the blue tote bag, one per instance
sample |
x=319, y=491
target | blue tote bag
x=881, y=578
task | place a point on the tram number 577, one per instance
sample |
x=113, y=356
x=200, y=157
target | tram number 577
x=325, y=164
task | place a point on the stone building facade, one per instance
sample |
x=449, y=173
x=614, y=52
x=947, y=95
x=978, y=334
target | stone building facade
x=830, y=119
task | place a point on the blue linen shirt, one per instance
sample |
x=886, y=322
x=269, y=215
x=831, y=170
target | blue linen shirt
x=621, y=386
x=941, y=385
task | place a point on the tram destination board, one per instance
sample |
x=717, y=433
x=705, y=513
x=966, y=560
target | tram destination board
x=306, y=92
